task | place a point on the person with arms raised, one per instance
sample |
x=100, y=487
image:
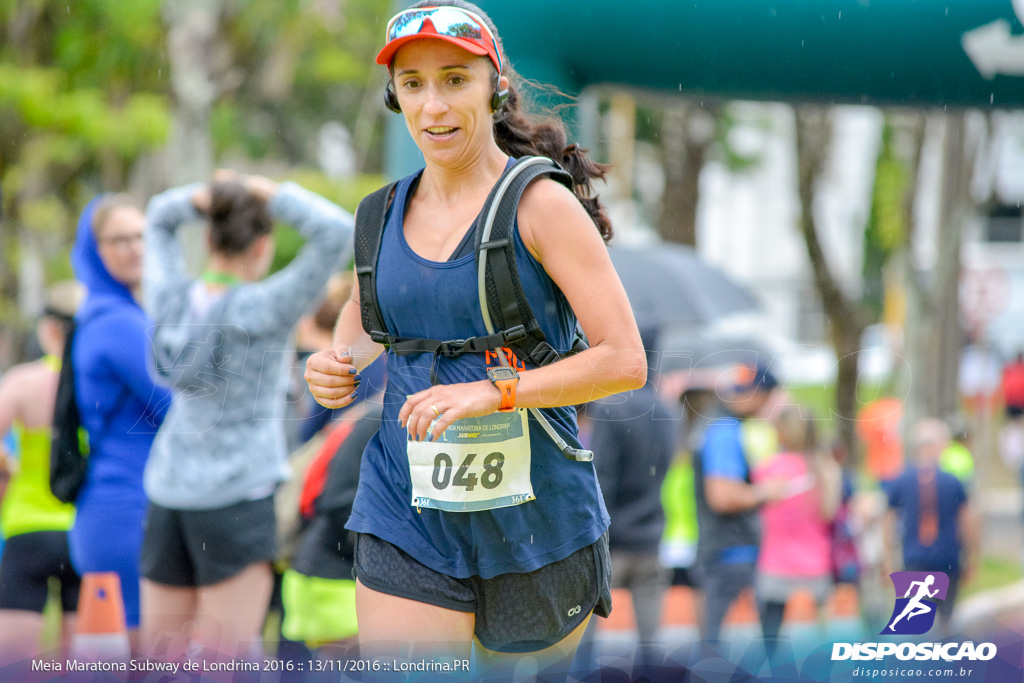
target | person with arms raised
x=222, y=342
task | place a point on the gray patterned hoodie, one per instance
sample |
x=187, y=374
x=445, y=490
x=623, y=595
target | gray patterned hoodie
x=227, y=355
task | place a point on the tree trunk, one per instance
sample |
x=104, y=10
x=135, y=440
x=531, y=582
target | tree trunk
x=192, y=45
x=845, y=319
x=622, y=152
x=370, y=107
x=955, y=210
x=687, y=133
x=8, y=248
x=192, y=33
x=934, y=336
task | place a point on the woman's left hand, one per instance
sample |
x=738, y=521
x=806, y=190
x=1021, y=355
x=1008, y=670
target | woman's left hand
x=446, y=403
x=261, y=186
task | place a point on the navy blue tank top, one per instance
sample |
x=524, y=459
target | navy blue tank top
x=438, y=300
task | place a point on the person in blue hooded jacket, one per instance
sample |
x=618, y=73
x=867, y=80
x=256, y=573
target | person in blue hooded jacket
x=121, y=406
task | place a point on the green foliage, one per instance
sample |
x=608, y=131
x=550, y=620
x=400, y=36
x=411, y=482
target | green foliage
x=46, y=104
x=648, y=121
x=734, y=160
x=886, y=228
x=345, y=195
x=993, y=572
x=820, y=400
x=287, y=242
x=128, y=58
x=44, y=215
x=85, y=96
x=334, y=64
x=231, y=134
x=301, y=64
x=81, y=98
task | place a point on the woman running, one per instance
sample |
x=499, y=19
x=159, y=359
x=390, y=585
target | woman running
x=504, y=545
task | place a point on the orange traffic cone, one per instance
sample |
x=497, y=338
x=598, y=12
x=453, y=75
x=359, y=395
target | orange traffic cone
x=101, y=633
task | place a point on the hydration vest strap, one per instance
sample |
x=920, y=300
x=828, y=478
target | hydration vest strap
x=515, y=324
x=368, y=233
x=453, y=347
x=505, y=299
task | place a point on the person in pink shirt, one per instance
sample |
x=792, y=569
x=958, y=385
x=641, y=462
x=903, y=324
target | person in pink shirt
x=796, y=537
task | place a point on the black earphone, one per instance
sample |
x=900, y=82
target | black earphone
x=390, y=98
x=497, y=99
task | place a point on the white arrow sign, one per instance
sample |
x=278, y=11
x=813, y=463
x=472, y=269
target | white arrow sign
x=994, y=50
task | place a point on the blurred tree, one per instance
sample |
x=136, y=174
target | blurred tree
x=75, y=113
x=691, y=134
x=262, y=78
x=296, y=65
x=934, y=336
x=86, y=95
x=200, y=71
x=892, y=199
x=846, y=316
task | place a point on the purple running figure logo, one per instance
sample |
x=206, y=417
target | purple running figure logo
x=914, y=613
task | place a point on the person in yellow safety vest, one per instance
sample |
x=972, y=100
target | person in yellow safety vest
x=957, y=458
x=679, y=541
x=34, y=523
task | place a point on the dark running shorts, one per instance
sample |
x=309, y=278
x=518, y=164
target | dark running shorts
x=193, y=548
x=514, y=612
x=29, y=560
x=325, y=550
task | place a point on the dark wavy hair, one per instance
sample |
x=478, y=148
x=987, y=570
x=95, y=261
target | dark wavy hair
x=237, y=218
x=521, y=133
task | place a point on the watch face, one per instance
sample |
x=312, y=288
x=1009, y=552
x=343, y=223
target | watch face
x=502, y=373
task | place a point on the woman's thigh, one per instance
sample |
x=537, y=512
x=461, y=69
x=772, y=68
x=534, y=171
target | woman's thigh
x=395, y=626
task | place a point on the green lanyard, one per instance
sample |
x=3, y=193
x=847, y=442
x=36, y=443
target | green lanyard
x=216, y=277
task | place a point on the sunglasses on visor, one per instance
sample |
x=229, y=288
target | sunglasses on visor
x=447, y=21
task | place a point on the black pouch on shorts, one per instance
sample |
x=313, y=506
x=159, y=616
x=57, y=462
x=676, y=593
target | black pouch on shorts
x=518, y=613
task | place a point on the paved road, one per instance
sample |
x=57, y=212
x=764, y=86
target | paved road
x=1002, y=523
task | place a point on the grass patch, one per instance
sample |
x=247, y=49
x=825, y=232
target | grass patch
x=821, y=398
x=820, y=402
x=49, y=639
x=994, y=572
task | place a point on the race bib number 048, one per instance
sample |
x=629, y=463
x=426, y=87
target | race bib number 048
x=478, y=463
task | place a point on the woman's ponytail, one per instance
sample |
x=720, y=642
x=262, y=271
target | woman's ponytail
x=519, y=134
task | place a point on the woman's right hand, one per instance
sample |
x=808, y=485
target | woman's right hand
x=332, y=378
x=260, y=186
x=201, y=200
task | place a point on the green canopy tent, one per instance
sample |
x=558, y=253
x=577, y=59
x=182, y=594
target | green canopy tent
x=920, y=53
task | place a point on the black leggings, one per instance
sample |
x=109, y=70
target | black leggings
x=771, y=623
x=29, y=560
